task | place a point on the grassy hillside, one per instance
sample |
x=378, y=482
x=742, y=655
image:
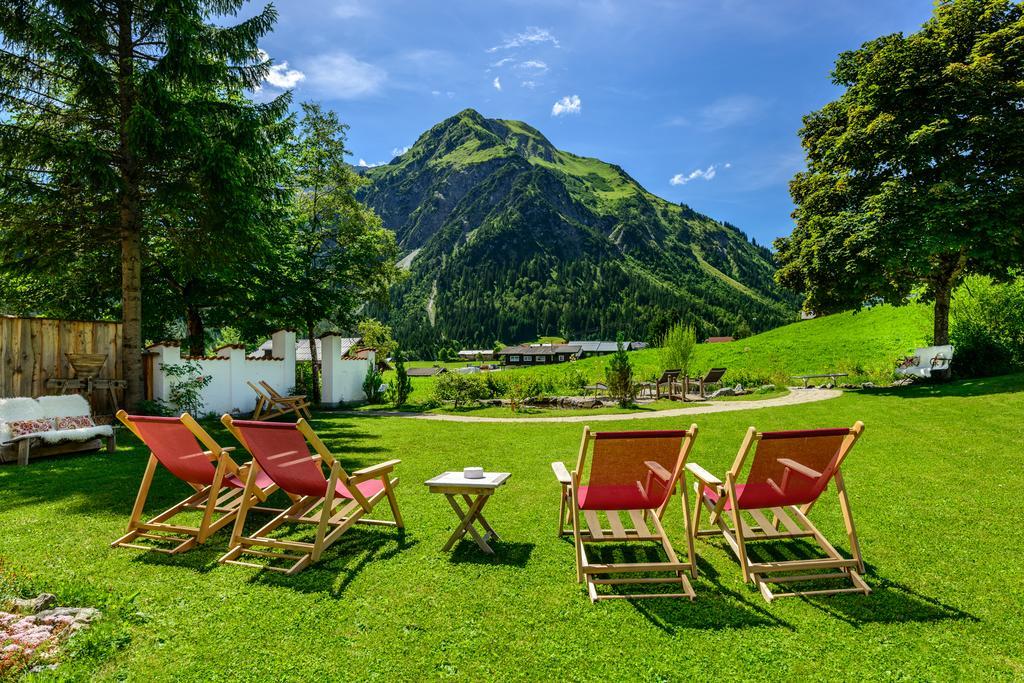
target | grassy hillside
x=864, y=344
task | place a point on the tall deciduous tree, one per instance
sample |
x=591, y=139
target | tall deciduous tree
x=338, y=254
x=915, y=174
x=108, y=110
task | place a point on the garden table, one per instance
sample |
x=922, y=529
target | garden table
x=474, y=493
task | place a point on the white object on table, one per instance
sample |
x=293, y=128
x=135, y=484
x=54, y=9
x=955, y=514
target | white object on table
x=473, y=473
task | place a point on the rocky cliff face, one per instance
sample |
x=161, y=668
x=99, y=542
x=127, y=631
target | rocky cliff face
x=514, y=239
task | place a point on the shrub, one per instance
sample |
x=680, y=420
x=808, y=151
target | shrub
x=522, y=388
x=399, y=393
x=372, y=383
x=573, y=379
x=619, y=375
x=187, y=384
x=459, y=389
x=497, y=384
x=677, y=347
x=987, y=327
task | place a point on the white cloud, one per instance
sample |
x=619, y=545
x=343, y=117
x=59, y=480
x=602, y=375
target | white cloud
x=529, y=84
x=280, y=76
x=497, y=84
x=730, y=111
x=534, y=66
x=570, y=104
x=363, y=164
x=435, y=93
x=350, y=9
x=399, y=151
x=502, y=62
x=701, y=173
x=342, y=76
x=532, y=35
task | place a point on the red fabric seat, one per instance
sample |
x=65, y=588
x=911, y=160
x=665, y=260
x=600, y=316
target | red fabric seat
x=613, y=497
x=755, y=496
x=367, y=488
x=262, y=481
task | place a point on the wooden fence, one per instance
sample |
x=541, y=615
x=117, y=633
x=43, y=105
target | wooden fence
x=32, y=351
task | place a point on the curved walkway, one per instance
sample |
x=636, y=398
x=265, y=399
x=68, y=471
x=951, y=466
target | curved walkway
x=794, y=397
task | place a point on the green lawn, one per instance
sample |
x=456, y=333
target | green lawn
x=935, y=485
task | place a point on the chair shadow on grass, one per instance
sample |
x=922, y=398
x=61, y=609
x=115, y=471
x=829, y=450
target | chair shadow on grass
x=715, y=607
x=342, y=562
x=506, y=553
x=890, y=602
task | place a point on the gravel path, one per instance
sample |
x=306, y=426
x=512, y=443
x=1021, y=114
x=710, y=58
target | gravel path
x=794, y=397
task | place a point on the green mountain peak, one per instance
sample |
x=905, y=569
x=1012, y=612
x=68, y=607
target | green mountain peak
x=508, y=237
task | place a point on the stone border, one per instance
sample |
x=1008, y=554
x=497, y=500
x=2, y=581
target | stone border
x=796, y=396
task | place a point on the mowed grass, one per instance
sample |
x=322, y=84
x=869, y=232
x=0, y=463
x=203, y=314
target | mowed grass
x=935, y=485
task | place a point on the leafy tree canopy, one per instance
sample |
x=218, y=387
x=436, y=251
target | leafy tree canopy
x=915, y=174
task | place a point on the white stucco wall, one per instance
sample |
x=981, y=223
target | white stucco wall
x=228, y=392
x=342, y=377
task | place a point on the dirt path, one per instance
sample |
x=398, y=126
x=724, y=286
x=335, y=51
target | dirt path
x=794, y=397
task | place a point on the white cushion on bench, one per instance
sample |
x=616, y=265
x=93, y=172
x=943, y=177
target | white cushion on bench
x=83, y=434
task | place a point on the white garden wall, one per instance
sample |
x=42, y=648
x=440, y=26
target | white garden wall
x=230, y=370
x=342, y=377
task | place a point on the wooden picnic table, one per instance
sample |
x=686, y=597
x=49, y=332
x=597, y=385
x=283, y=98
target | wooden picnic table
x=831, y=375
x=475, y=493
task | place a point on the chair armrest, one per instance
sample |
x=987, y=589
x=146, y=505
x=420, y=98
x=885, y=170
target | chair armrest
x=659, y=471
x=800, y=469
x=561, y=473
x=374, y=470
x=703, y=476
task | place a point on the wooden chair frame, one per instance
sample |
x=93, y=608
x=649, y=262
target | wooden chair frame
x=596, y=531
x=220, y=504
x=786, y=522
x=270, y=403
x=332, y=514
x=707, y=379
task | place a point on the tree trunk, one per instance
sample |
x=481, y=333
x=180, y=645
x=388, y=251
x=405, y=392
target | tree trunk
x=951, y=267
x=943, y=293
x=130, y=219
x=196, y=331
x=314, y=369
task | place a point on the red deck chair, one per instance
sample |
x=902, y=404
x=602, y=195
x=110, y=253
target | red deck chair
x=789, y=472
x=631, y=473
x=217, y=480
x=333, y=503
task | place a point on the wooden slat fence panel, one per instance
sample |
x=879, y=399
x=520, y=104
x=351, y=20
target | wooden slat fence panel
x=32, y=350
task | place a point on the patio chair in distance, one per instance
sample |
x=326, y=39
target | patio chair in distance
x=219, y=483
x=671, y=379
x=714, y=376
x=270, y=403
x=789, y=472
x=331, y=504
x=631, y=473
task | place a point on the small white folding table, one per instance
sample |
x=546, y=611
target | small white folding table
x=474, y=493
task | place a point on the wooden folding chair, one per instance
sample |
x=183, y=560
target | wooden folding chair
x=789, y=472
x=271, y=404
x=333, y=504
x=219, y=483
x=297, y=403
x=631, y=473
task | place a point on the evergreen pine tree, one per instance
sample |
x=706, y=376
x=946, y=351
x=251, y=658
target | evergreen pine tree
x=619, y=374
x=116, y=113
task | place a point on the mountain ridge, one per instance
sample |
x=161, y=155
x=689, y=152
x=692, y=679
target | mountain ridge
x=491, y=208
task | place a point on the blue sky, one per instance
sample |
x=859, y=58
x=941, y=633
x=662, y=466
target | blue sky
x=699, y=100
